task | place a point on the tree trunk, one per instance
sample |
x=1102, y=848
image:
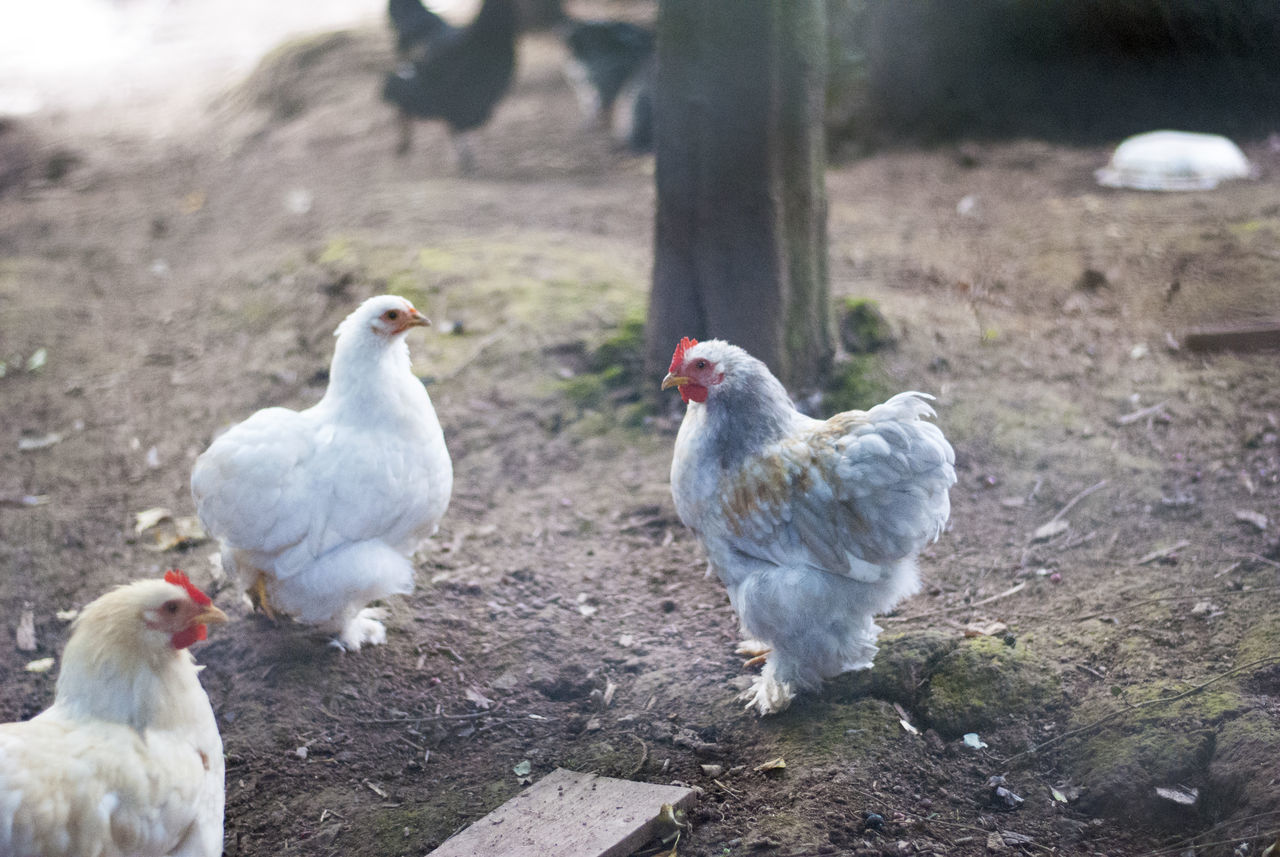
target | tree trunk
x=741, y=224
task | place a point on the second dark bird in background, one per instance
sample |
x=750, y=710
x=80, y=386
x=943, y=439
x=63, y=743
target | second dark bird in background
x=611, y=69
x=455, y=74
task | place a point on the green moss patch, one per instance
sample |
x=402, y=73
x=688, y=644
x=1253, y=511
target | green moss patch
x=984, y=683
x=901, y=669
x=1122, y=761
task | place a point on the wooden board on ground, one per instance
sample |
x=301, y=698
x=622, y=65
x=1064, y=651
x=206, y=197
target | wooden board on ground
x=567, y=814
x=1257, y=336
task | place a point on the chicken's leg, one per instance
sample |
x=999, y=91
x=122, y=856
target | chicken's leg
x=258, y=597
x=406, y=134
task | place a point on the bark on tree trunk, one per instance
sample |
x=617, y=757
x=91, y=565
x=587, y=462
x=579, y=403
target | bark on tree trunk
x=741, y=223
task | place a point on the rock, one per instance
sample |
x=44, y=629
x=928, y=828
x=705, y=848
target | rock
x=984, y=683
x=1120, y=765
x=571, y=681
x=863, y=328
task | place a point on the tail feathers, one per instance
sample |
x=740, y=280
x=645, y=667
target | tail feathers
x=345, y=577
x=911, y=405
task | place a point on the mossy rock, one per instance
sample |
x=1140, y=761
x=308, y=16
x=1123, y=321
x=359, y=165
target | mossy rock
x=863, y=328
x=1121, y=762
x=1245, y=767
x=985, y=682
x=901, y=669
x=857, y=383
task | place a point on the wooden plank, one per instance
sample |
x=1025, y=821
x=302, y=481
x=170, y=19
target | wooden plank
x=1241, y=337
x=568, y=814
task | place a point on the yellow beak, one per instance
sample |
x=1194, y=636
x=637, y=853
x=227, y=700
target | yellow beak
x=210, y=616
x=673, y=381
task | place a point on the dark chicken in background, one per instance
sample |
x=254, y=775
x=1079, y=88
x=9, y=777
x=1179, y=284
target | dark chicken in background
x=455, y=74
x=611, y=69
x=416, y=28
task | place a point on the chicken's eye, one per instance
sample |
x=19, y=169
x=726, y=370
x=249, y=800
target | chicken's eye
x=392, y=315
x=170, y=607
x=701, y=364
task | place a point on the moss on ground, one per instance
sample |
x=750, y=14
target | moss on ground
x=611, y=391
x=408, y=829
x=821, y=729
x=984, y=682
x=901, y=669
x=1122, y=760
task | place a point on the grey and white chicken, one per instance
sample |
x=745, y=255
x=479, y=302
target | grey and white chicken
x=318, y=511
x=813, y=526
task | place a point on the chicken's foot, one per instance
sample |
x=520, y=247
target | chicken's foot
x=757, y=649
x=258, y=597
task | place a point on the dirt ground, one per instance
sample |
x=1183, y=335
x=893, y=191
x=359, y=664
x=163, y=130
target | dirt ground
x=154, y=290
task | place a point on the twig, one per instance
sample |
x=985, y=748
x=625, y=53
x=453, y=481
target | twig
x=1137, y=705
x=1198, y=596
x=1161, y=553
x=1257, y=558
x=726, y=788
x=644, y=755
x=422, y=719
x=1076, y=499
x=1139, y=414
x=953, y=608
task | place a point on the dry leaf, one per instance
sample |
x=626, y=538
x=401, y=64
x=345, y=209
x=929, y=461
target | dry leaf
x=1183, y=796
x=1047, y=531
x=985, y=629
x=28, y=444
x=25, y=636
x=478, y=699
x=148, y=518
x=773, y=765
x=1248, y=516
x=37, y=360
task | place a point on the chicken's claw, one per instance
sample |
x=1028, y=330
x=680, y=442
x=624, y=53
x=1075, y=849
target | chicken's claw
x=363, y=628
x=767, y=695
x=258, y=597
x=757, y=649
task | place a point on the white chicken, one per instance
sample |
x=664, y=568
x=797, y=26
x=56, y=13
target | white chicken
x=319, y=511
x=127, y=762
x=813, y=526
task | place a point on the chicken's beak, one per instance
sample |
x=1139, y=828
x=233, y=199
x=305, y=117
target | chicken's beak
x=673, y=381
x=413, y=318
x=210, y=615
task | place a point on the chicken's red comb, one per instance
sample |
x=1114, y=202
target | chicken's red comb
x=177, y=578
x=676, y=359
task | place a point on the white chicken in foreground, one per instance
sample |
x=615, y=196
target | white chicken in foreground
x=319, y=511
x=813, y=526
x=127, y=762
